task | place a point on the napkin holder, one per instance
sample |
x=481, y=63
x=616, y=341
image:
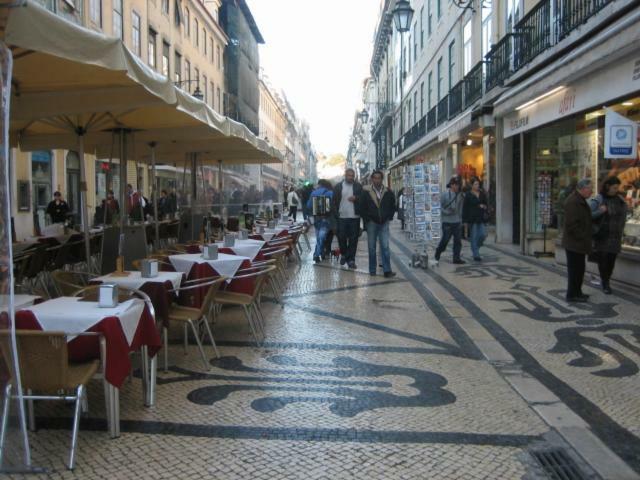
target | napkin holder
x=243, y=234
x=229, y=240
x=260, y=229
x=149, y=268
x=210, y=252
x=271, y=224
x=108, y=295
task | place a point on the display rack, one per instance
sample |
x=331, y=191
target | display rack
x=422, y=209
x=544, y=181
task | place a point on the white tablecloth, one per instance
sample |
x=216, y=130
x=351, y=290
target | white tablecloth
x=20, y=301
x=69, y=314
x=246, y=248
x=135, y=279
x=226, y=265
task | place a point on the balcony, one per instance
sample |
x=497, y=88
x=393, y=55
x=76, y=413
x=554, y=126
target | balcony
x=455, y=99
x=432, y=119
x=499, y=62
x=473, y=85
x=532, y=34
x=443, y=110
x=546, y=25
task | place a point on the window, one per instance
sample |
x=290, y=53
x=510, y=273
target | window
x=408, y=125
x=486, y=27
x=187, y=22
x=177, y=13
x=213, y=95
x=218, y=57
x=187, y=72
x=439, y=8
x=204, y=40
x=422, y=100
x=165, y=7
x=165, y=59
x=196, y=78
x=95, y=10
x=205, y=87
x=135, y=34
x=211, y=51
x=407, y=52
x=429, y=90
x=466, y=39
x=218, y=98
x=439, y=87
x=422, y=28
x=452, y=63
x=196, y=32
x=415, y=106
x=151, y=48
x=415, y=42
x=117, y=18
x=513, y=14
x=177, y=67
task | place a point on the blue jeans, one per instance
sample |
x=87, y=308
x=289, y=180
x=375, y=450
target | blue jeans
x=374, y=232
x=478, y=234
x=322, y=228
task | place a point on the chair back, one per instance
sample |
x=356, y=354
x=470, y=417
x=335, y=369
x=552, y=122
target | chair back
x=68, y=282
x=42, y=356
x=213, y=286
x=258, y=274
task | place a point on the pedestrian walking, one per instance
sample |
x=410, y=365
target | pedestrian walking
x=452, y=202
x=323, y=191
x=475, y=213
x=57, y=209
x=576, y=238
x=401, y=208
x=377, y=207
x=609, y=215
x=293, y=201
x=346, y=201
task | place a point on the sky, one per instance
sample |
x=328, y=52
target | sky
x=319, y=52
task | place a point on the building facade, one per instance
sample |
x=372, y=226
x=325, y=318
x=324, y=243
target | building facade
x=513, y=92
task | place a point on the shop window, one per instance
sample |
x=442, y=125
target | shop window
x=41, y=170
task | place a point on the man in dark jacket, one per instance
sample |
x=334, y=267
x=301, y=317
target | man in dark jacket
x=346, y=198
x=576, y=238
x=377, y=208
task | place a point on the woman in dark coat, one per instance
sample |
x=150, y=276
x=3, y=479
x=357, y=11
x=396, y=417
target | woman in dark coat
x=474, y=213
x=609, y=213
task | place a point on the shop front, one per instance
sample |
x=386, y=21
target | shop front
x=561, y=139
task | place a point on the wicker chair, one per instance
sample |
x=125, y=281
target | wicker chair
x=46, y=374
x=69, y=282
x=195, y=317
x=250, y=303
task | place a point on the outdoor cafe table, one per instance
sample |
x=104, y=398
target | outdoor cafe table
x=158, y=288
x=196, y=266
x=245, y=248
x=125, y=328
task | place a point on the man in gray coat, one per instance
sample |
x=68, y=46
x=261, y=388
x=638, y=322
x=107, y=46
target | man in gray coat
x=451, y=209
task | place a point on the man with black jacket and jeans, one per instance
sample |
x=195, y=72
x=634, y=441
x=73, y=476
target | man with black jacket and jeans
x=377, y=207
x=346, y=197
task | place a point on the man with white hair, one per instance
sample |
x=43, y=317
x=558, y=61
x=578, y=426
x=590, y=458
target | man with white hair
x=576, y=238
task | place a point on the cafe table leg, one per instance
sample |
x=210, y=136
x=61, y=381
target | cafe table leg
x=149, y=365
x=144, y=368
x=152, y=380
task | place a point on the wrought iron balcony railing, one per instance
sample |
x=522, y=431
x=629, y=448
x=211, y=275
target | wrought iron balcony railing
x=432, y=119
x=455, y=99
x=473, y=85
x=499, y=62
x=532, y=34
x=443, y=109
x=570, y=14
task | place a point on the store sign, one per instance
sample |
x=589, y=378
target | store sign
x=617, y=80
x=620, y=136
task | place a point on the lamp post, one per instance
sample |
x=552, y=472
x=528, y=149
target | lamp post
x=402, y=16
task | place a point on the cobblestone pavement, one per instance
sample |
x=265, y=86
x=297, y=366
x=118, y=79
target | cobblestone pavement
x=456, y=372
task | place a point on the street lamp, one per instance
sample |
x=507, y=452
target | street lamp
x=402, y=16
x=197, y=93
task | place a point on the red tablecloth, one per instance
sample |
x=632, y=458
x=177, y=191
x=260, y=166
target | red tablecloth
x=195, y=297
x=118, y=363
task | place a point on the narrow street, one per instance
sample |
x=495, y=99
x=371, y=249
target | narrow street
x=460, y=371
